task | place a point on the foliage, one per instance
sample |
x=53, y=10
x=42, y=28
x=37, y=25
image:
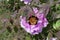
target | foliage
x=9, y=31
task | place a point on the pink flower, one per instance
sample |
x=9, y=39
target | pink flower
x=35, y=23
x=26, y=1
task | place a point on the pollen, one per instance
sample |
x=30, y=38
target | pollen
x=33, y=20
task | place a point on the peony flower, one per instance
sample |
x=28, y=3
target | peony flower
x=35, y=23
x=26, y=1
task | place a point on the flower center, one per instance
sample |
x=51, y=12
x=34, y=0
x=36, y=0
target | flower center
x=33, y=20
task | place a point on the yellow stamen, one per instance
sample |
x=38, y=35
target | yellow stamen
x=33, y=20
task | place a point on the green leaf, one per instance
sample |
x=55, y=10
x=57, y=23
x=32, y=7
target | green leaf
x=58, y=6
x=28, y=37
x=49, y=36
x=56, y=25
